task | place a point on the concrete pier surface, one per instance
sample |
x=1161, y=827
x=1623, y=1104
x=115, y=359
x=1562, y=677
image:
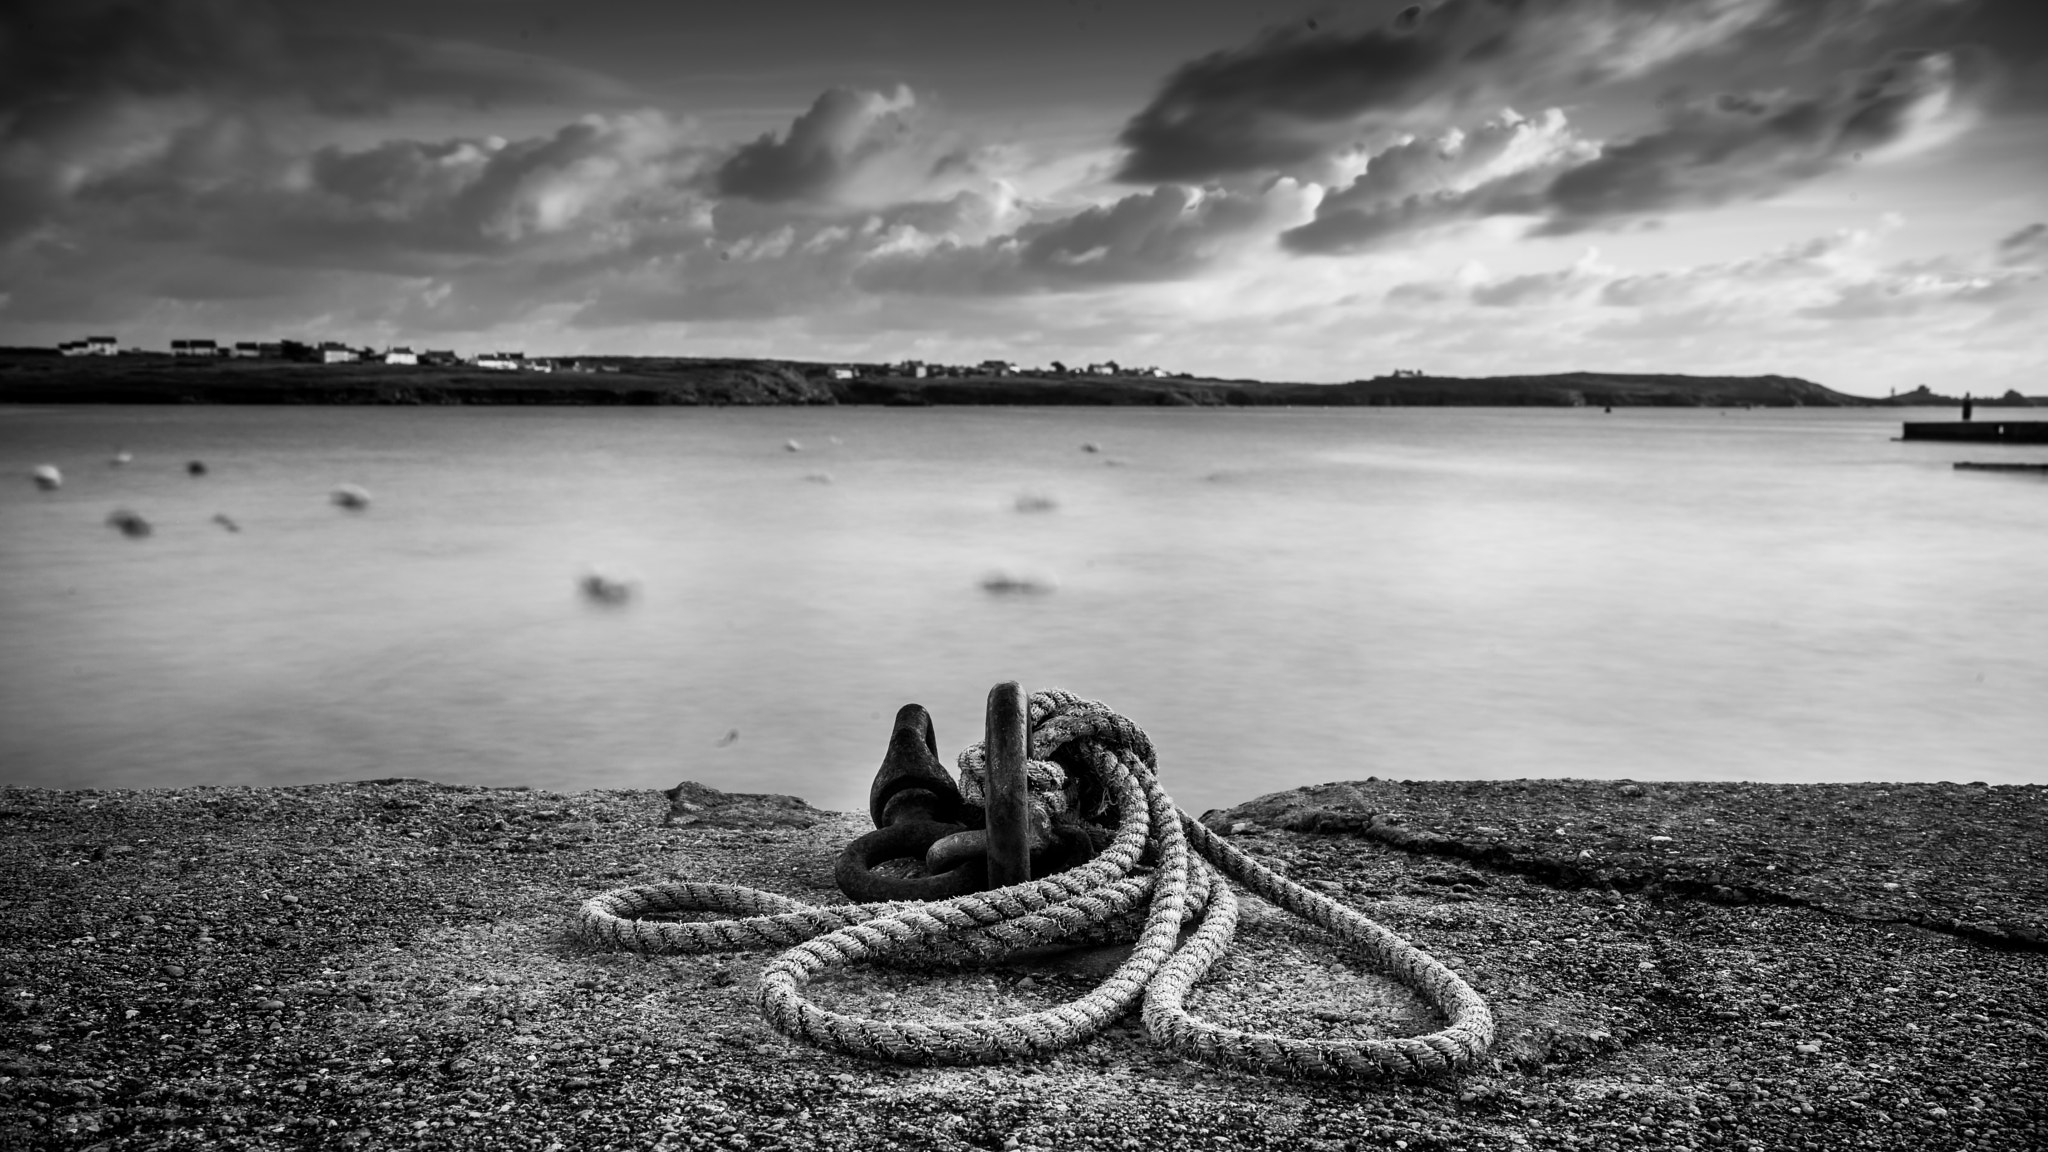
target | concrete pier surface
x=1980, y=431
x=389, y=964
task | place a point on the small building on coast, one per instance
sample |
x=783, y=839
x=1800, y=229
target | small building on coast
x=334, y=352
x=90, y=346
x=399, y=356
x=205, y=349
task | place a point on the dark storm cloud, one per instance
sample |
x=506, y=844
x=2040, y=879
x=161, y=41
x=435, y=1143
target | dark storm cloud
x=56, y=53
x=87, y=85
x=823, y=149
x=466, y=195
x=1715, y=152
x=1718, y=150
x=1290, y=97
x=460, y=233
x=617, y=217
x=1261, y=107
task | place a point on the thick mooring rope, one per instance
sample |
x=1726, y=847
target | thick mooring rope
x=1085, y=902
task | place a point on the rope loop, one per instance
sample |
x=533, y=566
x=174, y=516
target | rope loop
x=1045, y=781
x=1109, y=897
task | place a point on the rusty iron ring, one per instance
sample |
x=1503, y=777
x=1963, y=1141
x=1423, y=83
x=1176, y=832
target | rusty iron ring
x=856, y=876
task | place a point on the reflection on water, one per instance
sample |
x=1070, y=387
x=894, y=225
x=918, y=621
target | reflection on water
x=1280, y=597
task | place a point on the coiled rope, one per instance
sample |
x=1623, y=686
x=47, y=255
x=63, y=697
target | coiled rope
x=1110, y=893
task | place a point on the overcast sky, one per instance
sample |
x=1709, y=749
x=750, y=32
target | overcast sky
x=1853, y=191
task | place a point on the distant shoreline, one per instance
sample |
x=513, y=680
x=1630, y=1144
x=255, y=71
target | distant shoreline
x=657, y=382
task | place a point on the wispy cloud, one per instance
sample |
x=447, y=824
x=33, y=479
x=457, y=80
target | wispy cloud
x=1829, y=278
x=2026, y=247
x=1172, y=232
x=1424, y=182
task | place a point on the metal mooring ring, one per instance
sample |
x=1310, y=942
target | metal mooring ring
x=1057, y=849
x=857, y=878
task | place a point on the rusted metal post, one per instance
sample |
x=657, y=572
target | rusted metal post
x=1009, y=806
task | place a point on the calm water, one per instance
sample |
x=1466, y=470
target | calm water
x=1281, y=597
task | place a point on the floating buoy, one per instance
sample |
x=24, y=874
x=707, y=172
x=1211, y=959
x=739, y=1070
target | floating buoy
x=607, y=587
x=353, y=497
x=129, y=523
x=48, y=478
x=195, y=468
x=227, y=522
x=1018, y=584
x=791, y=446
x=1091, y=446
x=121, y=458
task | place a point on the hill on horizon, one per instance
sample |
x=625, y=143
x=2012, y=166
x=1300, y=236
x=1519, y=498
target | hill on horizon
x=42, y=377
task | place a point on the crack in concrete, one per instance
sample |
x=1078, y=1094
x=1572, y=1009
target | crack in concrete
x=1563, y=874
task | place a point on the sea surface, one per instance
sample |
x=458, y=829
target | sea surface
x=1279, y=597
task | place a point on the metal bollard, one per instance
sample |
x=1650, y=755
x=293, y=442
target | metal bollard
x=1009, y=799
x=1015, y=842
x=912, y=784
x=914, y=804
x=919, y=813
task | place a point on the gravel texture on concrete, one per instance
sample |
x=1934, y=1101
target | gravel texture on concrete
x=389, y=965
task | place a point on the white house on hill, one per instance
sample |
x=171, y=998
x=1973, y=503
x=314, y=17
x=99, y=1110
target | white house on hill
x=401, y=356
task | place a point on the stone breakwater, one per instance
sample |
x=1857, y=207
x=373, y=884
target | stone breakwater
x=388, y=965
